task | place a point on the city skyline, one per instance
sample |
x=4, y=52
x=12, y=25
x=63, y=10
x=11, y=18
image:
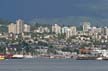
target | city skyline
x=53, y=35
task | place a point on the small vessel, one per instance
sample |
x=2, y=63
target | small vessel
x=99, y=58
x=86, y=57
x=17, y=56
x=28, y=56
x=51, y=57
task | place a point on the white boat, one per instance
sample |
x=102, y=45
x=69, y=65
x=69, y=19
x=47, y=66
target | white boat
x=16, y=56
x=99, y=58
x=28, y=56
x=51, y=57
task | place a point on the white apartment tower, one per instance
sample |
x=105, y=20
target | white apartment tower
x=56, y=29
x=19, y=26
x=26, y=28
x=64, y=30
x=12, y=28
x=73, y=30
x=68, y=33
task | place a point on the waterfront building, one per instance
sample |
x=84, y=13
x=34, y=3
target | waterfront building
x=12, y=28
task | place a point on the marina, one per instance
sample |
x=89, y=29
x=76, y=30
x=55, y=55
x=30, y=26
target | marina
x=76, y=57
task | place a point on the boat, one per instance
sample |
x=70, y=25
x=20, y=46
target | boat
x=86, y=57
x=28, y=56
x=99, y=58
x=51, y=57
x=16, y=56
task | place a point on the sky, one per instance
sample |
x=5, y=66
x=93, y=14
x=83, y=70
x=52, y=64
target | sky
x=30, y=9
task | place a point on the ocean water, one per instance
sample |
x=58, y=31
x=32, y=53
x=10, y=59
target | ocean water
x=43, y=64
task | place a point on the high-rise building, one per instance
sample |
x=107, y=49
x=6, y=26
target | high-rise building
x=26, y=28
x=41, y=29
x=56, y=29
x=73, y=30
x=68, y=33
x=46, y=29
x=19, y=26
x=64, y=29
x=12, y=28
x=86, y=26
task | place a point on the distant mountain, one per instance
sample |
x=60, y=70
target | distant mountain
x=3, y=25
x=4, y=22
x=72, y=20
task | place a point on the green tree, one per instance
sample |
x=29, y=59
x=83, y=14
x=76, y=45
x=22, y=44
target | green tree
x=52, y=50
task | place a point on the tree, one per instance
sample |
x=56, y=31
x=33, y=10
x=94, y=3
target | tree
x=61, y=36
x=67, y=49
x=52, y=50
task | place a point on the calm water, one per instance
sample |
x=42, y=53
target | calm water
x=53, y=65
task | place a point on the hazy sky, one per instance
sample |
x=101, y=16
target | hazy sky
x=29, y=9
